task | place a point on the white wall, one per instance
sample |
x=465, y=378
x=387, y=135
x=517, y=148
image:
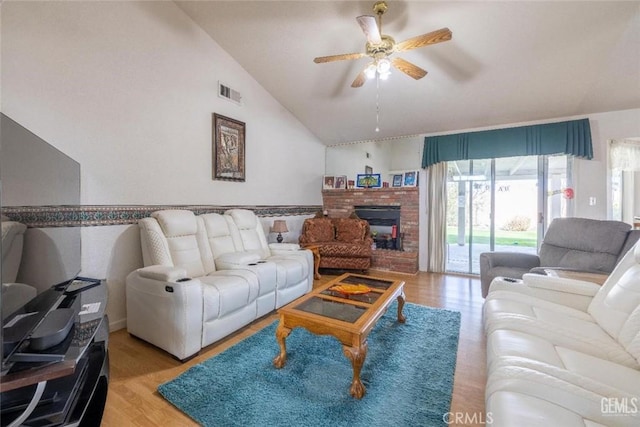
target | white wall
x=593, y=179
x=406, y=153
x=128, y=89
x=351, y=159
x=385, y=157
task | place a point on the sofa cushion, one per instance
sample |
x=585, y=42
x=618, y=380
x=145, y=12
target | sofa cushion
x=566, y=244
x=341, y=262
x=290, y=270
x=318, y=230
x=632, y=237
x=175, y=231
x=619, y=298
x=350, y=229
x=234, y=290
x=247, y=232
x=176, y=223
x=345, y=250
x=218, y=232
x=506, y=302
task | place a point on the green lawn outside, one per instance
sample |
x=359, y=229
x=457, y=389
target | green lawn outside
x=509, y=238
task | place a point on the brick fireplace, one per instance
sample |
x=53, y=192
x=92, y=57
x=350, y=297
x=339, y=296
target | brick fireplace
x=341, y=203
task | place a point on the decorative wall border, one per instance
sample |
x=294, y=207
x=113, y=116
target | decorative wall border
x=93, y=216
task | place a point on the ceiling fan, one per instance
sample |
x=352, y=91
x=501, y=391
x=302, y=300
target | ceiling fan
x=380, y=47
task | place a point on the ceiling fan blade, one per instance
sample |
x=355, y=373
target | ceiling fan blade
x=359, y=80
x=370, y=28
x=408, y=68
x=342, y=57
x=441, y=35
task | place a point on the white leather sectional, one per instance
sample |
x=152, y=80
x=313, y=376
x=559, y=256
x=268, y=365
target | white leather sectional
x=564, y=352
x=206, y=276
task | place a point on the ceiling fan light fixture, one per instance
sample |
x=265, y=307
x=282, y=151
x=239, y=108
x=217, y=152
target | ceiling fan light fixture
x=384, y=65
x=370, y=70
x=385, y=75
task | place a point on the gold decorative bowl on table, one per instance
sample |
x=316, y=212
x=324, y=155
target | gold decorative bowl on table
x=351, y=289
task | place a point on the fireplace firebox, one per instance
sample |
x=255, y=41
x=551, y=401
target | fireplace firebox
x=384, y=222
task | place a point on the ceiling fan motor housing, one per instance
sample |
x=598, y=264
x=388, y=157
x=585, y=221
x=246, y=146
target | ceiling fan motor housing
x=385, y=47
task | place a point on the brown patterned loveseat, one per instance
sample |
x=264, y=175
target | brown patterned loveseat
x=344, y=243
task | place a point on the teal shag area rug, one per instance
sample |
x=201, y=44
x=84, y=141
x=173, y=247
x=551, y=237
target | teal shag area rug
x=408, y=374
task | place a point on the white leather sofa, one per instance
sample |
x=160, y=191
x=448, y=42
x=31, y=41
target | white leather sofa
x=563, y=352
x=207, y=276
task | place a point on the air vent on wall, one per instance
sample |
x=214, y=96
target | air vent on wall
x=226, y=92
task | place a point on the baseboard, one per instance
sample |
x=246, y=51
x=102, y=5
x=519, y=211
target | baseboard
x=117, y=325
x=393, y=272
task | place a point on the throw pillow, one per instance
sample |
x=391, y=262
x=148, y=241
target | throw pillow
x=350, y=230
x=318, y=230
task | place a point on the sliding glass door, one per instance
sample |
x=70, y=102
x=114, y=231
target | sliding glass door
x=502, y=204
x=468, y=212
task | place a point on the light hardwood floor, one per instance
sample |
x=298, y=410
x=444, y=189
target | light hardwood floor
x=137, y=368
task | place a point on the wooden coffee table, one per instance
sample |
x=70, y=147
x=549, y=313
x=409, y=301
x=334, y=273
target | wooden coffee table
x=348, y=318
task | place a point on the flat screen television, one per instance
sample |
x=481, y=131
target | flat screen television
x=39, y=186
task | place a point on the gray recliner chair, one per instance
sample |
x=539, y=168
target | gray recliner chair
x=576, y=244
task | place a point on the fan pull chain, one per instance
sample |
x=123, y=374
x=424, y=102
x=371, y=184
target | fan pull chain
x=377, y=103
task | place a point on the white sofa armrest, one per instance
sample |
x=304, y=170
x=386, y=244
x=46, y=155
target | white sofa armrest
x=558, y=284
x=284, y=247
x=233, y=260
x=164, y=307
x=559, y=291
x=163, y=273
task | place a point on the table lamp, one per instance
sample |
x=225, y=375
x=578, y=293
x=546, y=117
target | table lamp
x=279, y=226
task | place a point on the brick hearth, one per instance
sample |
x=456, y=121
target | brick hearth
x=340, y=203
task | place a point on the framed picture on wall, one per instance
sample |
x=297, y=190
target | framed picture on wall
x=410, y=179
x=328, y=182
x=228, y=149
x=368, y=170
x=340, y=182
x=397, y=180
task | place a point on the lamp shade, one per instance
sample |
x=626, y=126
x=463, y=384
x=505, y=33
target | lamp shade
x=279, y=226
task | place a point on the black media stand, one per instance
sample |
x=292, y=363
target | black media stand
x=65, y=384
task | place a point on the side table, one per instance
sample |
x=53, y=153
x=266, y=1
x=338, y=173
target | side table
x=315, y=249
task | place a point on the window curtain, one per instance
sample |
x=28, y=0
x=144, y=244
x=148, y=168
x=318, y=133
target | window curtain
x=624, y=155
x=571, y=137
x=436, y=216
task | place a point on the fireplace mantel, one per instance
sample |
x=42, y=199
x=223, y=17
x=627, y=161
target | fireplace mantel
x=341, y=203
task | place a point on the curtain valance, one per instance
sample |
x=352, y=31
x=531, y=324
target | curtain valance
x=571, y=137
x=625, y=155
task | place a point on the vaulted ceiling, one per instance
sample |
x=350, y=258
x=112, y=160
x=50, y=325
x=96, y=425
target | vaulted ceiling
x=507, y=62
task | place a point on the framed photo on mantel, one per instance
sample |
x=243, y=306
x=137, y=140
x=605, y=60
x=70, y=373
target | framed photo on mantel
x=328, y=182
x=410, y=179
x=228, y=149
x=368, y=180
